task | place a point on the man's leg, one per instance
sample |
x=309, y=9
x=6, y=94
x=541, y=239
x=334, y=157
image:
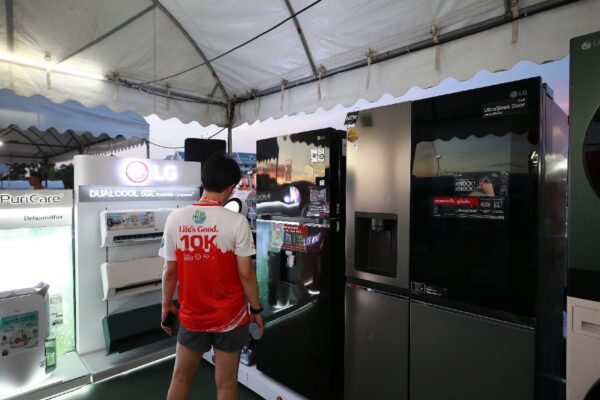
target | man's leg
x=226, y=372
x=186, y=363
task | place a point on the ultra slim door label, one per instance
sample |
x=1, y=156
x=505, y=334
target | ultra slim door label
x=505, y=107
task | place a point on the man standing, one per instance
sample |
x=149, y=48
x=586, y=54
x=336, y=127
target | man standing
x=208, y=252
x=35, y=180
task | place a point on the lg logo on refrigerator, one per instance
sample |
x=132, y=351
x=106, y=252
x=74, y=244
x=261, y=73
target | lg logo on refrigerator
x=589, y=44
x=140, y=172
x=518, y=93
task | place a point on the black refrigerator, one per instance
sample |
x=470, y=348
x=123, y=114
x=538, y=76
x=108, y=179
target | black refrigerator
x=300, y=267
x=487, y=244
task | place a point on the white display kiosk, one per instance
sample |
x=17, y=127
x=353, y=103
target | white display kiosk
x=121, y=205
x=36, y=246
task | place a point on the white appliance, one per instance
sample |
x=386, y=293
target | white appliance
x=23, y=330
x=131, y=277
x=583, y=348
x=121, y=227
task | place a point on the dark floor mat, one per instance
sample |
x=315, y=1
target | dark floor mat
x=152, y=383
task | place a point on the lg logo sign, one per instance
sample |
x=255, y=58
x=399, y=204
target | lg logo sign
x=140, y=172
x=516, y=93
x=589, y=44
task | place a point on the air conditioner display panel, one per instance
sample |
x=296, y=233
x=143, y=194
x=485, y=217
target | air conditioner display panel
x=116, y=221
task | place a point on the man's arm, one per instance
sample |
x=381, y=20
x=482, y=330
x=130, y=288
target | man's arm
x=250, y=285
x=169, y=283
x=248, y=278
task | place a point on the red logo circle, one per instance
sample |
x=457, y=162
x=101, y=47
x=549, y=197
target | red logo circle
x=137, y=172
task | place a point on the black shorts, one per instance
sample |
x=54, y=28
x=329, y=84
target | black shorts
x=230, y=341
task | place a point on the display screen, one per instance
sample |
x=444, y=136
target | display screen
x=34, y=255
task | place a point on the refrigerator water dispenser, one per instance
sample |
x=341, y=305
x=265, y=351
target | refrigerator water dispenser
x=376, y=243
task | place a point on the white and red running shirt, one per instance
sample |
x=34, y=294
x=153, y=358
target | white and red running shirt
x=204, y=239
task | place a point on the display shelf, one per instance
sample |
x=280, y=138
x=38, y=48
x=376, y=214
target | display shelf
x=70, y=373
x=103, y=366
x=260, y=383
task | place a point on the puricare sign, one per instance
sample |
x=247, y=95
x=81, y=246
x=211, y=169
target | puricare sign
x=33, y=209
x=35, y=199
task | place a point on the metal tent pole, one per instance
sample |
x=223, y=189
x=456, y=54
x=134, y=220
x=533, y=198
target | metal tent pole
x=230, y=113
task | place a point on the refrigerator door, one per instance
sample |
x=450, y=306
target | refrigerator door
x=376, y=356
x=292, y=265
x=298, y=175
x=294, y=273
x=459, y=356
x=378, y=196
x=474, y=199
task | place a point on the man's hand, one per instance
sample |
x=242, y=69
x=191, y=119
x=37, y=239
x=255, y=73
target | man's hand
x=259, y=321
x=166, y=308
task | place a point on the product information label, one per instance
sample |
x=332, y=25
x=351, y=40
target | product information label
x=351, y=118
x=469, y=207
x=421, y=288
x=127, y=193
x=56, y=310
x=318, y=205
x=129, y=220
x=18, y=333
x=289, y=237
x=35, y=217
x=477, y=195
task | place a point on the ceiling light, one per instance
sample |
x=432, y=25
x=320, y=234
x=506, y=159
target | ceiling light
x=1, y=143
x=47, y=66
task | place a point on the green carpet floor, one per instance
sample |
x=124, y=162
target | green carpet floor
x=152, y=383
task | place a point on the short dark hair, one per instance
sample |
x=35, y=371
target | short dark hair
x=220, y=172
x=36, y=175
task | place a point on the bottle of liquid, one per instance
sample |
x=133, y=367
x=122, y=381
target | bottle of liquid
x=50, y=347
x=255, y=332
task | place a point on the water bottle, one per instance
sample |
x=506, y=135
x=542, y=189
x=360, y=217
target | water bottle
x=255, y=332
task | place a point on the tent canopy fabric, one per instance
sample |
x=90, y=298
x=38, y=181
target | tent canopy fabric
x=35, y=129
x=190, y=59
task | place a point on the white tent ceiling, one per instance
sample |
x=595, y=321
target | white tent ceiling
x=143, y=41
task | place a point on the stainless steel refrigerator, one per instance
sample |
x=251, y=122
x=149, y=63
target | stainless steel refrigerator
x=300, y=264
x=377, y=254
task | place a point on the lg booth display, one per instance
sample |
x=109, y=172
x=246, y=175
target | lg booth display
x=583, y=307
x=120, y=212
